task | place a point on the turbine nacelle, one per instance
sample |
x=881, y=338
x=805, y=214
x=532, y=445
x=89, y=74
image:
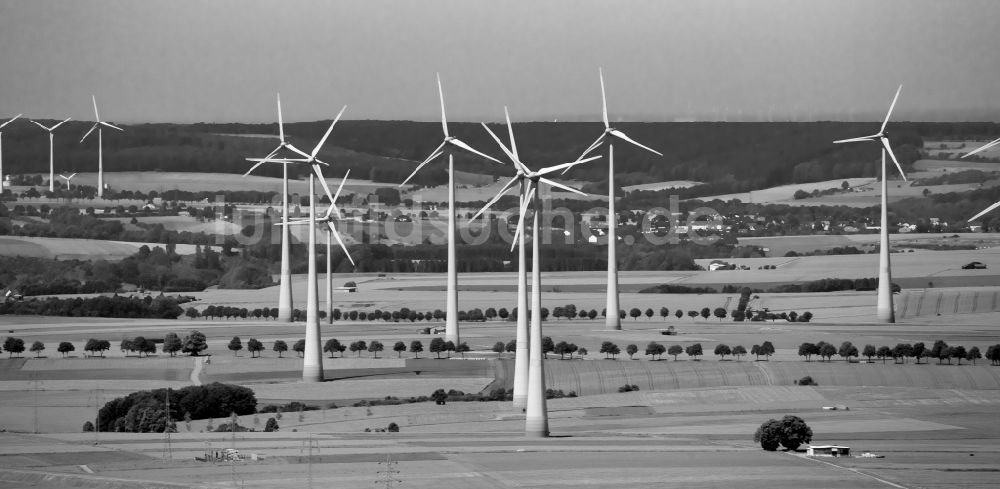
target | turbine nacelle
x=882, y=135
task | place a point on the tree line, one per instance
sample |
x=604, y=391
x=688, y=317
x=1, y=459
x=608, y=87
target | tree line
x=939, y=350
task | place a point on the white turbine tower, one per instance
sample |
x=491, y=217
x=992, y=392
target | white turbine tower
x=312, y=364
x=521, y=338
x=536, y=422
x=67, y=178
x=884, y=309
x=332, y=215
x=1, y=148
x=100, y=146
x=285, y=282
x=611, y=319
x=52, y=158
x=447, y=145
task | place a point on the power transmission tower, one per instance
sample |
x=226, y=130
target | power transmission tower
x=387, y=476
x=167, y=448
x=310, y=443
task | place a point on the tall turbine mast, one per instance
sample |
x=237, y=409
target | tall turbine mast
x=100, y=146
x=532, y=378
x=285, y=282
x=448, y=145
x=52, y=158
x=884, y=310
x=1, y=148
x=611, y=320
x=312, y=364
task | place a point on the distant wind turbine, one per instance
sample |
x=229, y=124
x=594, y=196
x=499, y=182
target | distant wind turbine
x=1, y=148
x=531, y=380
x=67, y=178
x=612, y=321
x=52, y=158
x=884, y=309
x=448, y=144
x=100, y=146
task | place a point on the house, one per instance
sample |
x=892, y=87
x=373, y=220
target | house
x=828, y=451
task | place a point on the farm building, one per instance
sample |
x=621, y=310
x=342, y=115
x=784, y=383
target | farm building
x=828, y=451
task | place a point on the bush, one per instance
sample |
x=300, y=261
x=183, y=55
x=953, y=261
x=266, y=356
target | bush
x=392, y=428
x=807, y=380
x=628, y=388
x=292, y=406
x=271, y=425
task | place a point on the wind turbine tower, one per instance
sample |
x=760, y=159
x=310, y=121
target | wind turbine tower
x=312, y=364
x=884, y=310
x=536, y=422
x=447, y=145
x=52, y=158
x=100, y=146
x=1, y=148
x=611, y=320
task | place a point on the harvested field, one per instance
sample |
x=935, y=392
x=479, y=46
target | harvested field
x=75, y=249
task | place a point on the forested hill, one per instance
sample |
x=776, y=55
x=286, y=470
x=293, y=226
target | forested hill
x=734, y=157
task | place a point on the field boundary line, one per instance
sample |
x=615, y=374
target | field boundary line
x=767, y=375
x=856, y=471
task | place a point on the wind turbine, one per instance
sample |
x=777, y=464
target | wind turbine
x=983, y=148
x=285, y=282
x=447, y=145
x=64, y=177
x=612, y=321
x=100, y=146
x=1, y=148
x=884, y=309
x=312, y=364
x=532, y=378
x=52, y=158
x=332, y=215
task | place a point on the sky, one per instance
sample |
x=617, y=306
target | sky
x=663, y=60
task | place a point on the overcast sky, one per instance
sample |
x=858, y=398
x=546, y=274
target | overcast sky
x=187, y=61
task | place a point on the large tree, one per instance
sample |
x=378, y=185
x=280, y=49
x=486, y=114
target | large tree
x=375, y=346
x=416, y=347
x=399, y=347
x=172, y=344
x=194, y=343
x=13, y=346
x=675, y=350
x=333, y=345
x=299, y=347
x=254, y=346
x=66, y=347
x=722, y=350
x=437, y=346
x=280, y=347
x=694, y=350
x=631, y=349
x=38, y=346
x=790, y=432
x=235, y=345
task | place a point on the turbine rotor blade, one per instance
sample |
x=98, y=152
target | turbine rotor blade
x=281, y=124
x=437, y=152
x=112, y=126
x=297, y=150
x=500, y=143
x=328, y=131
x=984, y=211
x=40, y=125
x=12, y=120
x=340, y=187
x=59, y=124
x=565, y=166
x=529, y=192
x=495, y=198
x=559, y=185
x=97, y=118
x=885, y=143
x=856, y=140
x=620, y=135
x=261, y=162
x=333, y=231
x=510, y=132
x=460, y=144
x=90, y=131
x=597, y=142
x=891, y=106
x=981, y=148
x=604, y=100
x=444, y=119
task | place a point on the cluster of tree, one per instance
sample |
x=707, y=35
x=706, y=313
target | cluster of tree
x=766, y=315
x=163, y=307
x=829, y=285
x=899, y=353
x=67, y=222
x=790, y=432
x=677, y=289
x=193, y=344
x=146, y=411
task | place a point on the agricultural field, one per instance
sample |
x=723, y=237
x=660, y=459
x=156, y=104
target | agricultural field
x=208, y=182
x=75, y=249
x=662, y=185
